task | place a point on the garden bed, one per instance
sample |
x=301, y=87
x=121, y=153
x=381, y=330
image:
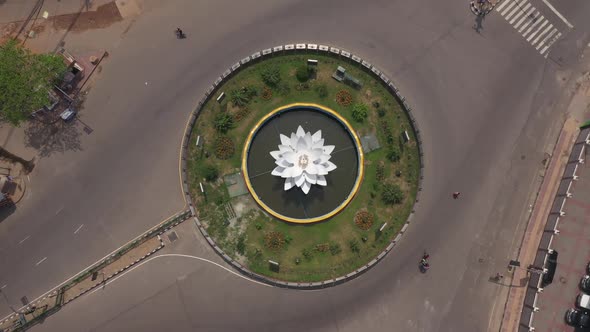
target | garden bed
x=317, y=251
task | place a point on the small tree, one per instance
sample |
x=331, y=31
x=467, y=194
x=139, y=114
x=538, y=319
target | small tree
x=393, y=154
x=359, y=112
x=322, y=90
x=271, y=76
x=239, y=97
x=392, y=194
x=210, y=172
x=25, y=79
x=302, y=73
x=223, y=122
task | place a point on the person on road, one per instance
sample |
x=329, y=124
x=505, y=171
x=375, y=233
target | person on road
x=179, y=33
x=456, y=194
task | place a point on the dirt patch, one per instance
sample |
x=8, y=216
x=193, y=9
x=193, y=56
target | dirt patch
x=102, y=17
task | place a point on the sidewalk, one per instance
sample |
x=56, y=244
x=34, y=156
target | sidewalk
x=534, y=230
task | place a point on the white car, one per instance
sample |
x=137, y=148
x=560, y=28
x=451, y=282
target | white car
x=68, y=114
x=583, y=301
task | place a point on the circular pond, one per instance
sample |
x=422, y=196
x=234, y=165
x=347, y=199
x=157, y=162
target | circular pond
x=323, y=169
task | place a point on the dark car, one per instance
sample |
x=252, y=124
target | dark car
x=551, y=268
x=585, y=284
x=577, y=318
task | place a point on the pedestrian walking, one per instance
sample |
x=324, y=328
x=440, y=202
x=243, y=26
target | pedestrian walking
x=499, y=276
x=456, y=194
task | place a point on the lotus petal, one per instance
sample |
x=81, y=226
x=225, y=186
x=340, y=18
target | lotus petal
x=300, y=131
x=307, y=139
x=328, y=149
x=294, y=139
x=306, y=186
x=321, y=180
x=330, y=167
x=311, y=178
x=278, y=171
x=289, y=183
x=299, y=180
x=312, y=168
x=276, y=154
x=318, y=145
x=317, y=136
x=285, y=148
x=285, y=139
x=290, y=156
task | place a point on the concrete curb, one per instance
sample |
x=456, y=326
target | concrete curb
x=293, y=49
x=109, y=277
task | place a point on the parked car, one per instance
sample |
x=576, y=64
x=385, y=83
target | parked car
x=585, y=284
x=577, y=318
x=583, y=301
x=551, y=268
x=68, y=114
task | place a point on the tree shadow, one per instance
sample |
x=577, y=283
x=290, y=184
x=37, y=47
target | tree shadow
x=59, y=136
x=6, y=211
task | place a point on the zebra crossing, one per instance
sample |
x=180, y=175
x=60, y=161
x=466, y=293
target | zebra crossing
x=530, y=23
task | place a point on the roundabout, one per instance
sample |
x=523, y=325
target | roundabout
x=328, y=173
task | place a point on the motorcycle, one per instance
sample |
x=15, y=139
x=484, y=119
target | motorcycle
x=424, y=266
x=179, y=34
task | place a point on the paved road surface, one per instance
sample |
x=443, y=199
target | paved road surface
x=487, y=104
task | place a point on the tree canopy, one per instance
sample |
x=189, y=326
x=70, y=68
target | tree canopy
x=25, y=79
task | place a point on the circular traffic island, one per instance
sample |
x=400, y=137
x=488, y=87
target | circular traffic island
x=302, y=167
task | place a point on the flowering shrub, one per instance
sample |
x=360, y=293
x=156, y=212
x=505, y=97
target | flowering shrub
x=343, y=98
x=363, y=219
x=274, y=240
x=266, y=93
x=224, y=147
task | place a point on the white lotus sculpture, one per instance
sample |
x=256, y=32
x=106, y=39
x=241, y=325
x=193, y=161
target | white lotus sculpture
x=303, y=160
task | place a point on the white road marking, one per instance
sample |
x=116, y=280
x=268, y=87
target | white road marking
x=499, y=8
x=512, y=3
x=526, y=15
x=184, y=256
x=558, y=14
x=78, y=229
x=546, y=38
x=550, y=43
x=23, y=240
x=520, y=13
x=539, y=20
x=58, y=211
x=28, y=177
x=516, y=8
x=3, y=287
x=41, y=261
x=532, y=35
x=534, y=19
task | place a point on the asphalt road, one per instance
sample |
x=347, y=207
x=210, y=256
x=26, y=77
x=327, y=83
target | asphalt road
x=487, y=104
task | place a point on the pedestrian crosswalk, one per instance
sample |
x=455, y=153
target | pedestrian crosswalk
x=530, y=23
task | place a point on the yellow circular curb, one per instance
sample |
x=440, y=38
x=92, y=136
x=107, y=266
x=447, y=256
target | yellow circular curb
x=358, y=178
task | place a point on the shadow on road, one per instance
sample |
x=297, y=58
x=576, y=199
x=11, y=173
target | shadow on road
x=55, y=137
x=6, y=211
x=478, y=26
